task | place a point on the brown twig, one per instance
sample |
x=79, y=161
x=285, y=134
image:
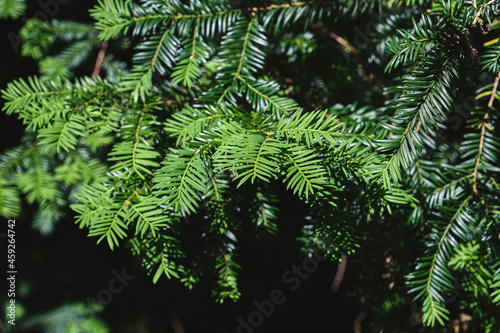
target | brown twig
x=100, y=59
x=252, y=10
x=480, y=10
x=344, y=43
x=356, y=325
x=339, y=276
x=350, y=49
x=176, y=322
x=493, y=92
x=483, y=133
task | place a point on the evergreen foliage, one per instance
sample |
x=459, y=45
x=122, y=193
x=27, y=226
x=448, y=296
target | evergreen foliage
x=12, y=8
x=197, y=126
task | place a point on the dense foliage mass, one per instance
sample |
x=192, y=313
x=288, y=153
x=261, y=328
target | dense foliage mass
x=380, y=116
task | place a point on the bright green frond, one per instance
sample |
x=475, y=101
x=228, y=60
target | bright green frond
x=12, y=8
x=305, y=173
x=182, y=180
x=249, y=156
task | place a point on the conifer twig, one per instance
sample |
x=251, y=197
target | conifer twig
x=483, y=133
x=340, y=274
x=100, y=58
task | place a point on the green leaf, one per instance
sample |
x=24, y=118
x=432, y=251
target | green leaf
x=134, y=157
x=249, y=156
x=195, y=52
x=311, y=128
x=63, y=134
x=12, y=8
x=305, y=173
x=182, y=180
x=10, y=202
x=148, y=216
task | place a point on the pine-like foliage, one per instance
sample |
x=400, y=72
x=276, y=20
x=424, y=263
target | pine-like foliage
x=202, y=127
x=12, y=8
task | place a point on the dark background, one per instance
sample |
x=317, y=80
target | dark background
x=67, y=266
